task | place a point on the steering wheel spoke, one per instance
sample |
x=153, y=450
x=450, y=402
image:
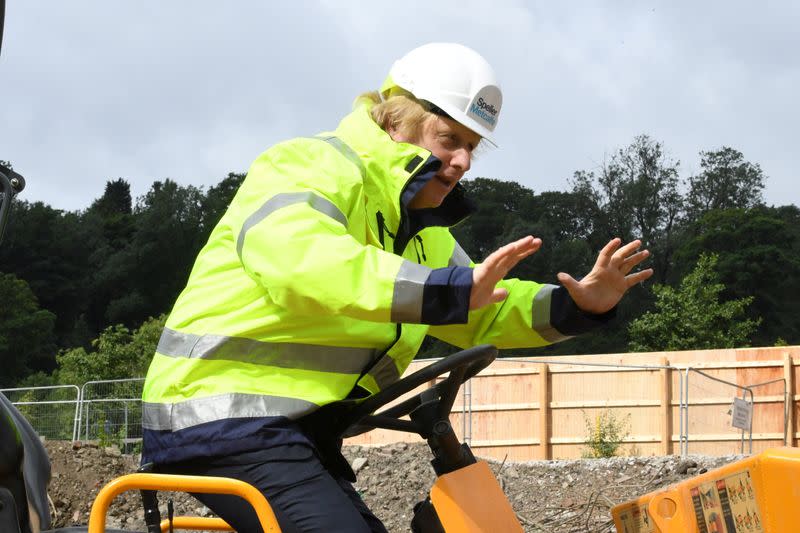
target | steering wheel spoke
x=371, y=422
x=461, y=366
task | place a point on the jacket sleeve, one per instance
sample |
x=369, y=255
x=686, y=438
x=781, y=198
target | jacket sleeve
x=532, y=315
x=293, y=223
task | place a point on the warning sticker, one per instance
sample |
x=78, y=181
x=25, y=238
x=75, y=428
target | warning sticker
x=636, y=520
x=727, y=505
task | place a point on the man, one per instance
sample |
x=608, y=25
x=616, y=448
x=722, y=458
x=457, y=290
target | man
x=320, y=282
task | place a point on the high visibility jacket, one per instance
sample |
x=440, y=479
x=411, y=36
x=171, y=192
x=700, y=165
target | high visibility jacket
x=318, y=280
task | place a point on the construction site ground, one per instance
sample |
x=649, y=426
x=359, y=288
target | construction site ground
x=563, y=496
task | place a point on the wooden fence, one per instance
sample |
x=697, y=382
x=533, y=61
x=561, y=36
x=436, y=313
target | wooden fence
x=538, y=408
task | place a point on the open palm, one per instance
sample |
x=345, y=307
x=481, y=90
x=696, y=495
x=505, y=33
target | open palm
x=609, y=279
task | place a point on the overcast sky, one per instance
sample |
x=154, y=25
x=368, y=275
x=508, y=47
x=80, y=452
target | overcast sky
x=92, y=90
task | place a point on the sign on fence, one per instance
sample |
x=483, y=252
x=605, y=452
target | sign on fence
x=741, y=414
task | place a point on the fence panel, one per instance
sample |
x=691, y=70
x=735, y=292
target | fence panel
x=710, y=395
x=532, y=408
x=111, y=412
x=51, y=411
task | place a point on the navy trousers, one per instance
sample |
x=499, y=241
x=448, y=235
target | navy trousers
x=304, y=495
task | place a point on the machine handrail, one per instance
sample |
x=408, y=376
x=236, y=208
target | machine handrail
x=181, y=483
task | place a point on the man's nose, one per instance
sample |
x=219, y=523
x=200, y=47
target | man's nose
x=461, y=159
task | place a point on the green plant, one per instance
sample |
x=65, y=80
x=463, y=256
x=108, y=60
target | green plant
x=106, y=437
x=605, y=434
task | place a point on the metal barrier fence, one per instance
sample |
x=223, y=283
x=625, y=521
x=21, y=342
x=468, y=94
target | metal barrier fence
x=111, y=410
x=685, y=399
x=53, y=411
x=741, y=410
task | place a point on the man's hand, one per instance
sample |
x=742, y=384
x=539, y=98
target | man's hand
x=488, y=274
x=610, y=277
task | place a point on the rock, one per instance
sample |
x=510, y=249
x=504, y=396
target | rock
x=358, y=464
x=684, y=466
x=112, y=451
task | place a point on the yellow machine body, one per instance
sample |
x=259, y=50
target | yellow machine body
x=759, y=494
x=470, y=500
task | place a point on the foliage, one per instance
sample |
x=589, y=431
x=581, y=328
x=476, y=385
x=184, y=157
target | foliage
x=26, y=331
x=638, y=197
x=218, y=198
x=759, y=256
x=499, y=202
x=727, y=181
x=117, y=354
x=692, y=317
x=52, y=251
x=605, y=434
x=106, y=436
x=50, y=411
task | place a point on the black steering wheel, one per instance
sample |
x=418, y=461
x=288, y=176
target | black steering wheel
x=461, y=365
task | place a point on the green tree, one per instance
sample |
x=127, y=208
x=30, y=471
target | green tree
x=114, y=211
x=497, y=201
x=218, y=198
x=117, y=353
x=26, y=332
x=565, y=223
x=52, y=251
x=638, y=196
x=759, y=255
x=144, y=278
x=727, y=181
x=692, y=316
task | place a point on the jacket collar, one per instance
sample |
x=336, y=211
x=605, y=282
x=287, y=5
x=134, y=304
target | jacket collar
x=396, y=171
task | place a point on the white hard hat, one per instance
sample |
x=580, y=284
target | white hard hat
x=455, y=79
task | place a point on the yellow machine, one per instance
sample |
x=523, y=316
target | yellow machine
x=760, y=494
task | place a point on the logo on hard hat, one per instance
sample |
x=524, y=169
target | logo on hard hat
x=485, y=107
x=485, y=111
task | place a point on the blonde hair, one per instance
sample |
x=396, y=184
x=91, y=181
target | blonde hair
x=401, y=111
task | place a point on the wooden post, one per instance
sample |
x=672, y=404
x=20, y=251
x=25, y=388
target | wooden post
x=788, y=375
x=666, y=408
x=545, y=453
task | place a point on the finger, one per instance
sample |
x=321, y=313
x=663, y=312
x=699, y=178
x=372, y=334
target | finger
x=627, y=250
x=498, y=295
x=566, y=280
x=504, y=258
x=605, y=255
x=638, y=277
x=510, y=248
x=521, y=253
x=527, y=251
x=630, y=262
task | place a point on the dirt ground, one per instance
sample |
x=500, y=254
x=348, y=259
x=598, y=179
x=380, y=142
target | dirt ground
x=548, y=496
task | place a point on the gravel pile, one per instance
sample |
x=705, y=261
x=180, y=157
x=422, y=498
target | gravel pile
x=548, y=496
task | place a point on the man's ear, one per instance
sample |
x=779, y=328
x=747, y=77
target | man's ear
x=394, y=132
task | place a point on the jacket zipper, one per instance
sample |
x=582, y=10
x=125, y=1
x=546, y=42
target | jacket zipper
x=381, y=228
x=422, y=247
